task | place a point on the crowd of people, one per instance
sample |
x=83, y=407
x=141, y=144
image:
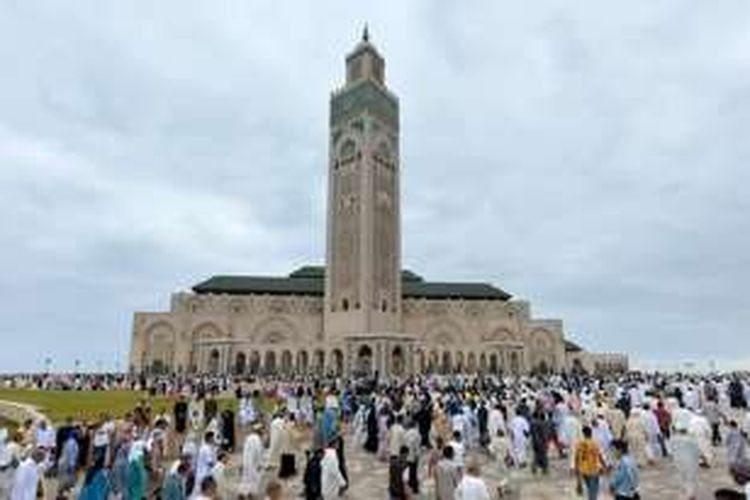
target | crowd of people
x=224, y=438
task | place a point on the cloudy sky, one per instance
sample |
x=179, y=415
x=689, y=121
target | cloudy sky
x=589, y=156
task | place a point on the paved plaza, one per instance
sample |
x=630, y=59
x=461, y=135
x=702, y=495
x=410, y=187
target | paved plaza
x=369, y=479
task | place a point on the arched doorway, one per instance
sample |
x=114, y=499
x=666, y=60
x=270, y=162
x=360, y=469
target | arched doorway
x=432, y=362
x=240, y=363
x=254, y=363
x=482, y=363
x=158, y=367
x=472, y=362
x=446, y=366
x=213, y=361
x=515, y=365
x=338, y=362
x=421, y=361
x=320, y=362
x=397, y=361
x=364, y=360
x=493, y=363
x=460, y=362
x=286, y=363
x=269, y=363
x=542, y=368
x=302, y=362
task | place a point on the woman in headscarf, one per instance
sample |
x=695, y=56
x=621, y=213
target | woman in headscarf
x=96, y=484
x=137, y=476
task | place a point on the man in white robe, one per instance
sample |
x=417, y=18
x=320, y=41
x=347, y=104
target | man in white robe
x=700, y=430
x=252, y=463
x=331, y=479
x=26, y=479
x=274, y=446
x=519, y=434
x=206, y=458
x=495, y=422
x=686, y=455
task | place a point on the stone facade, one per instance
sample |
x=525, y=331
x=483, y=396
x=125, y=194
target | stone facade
x=367, y=317
x=276, y=334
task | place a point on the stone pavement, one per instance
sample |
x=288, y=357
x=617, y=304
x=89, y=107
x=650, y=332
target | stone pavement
x=369, y=480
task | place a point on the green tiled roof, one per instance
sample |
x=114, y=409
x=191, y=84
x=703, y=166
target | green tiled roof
x=571, y=346
x=310, y=280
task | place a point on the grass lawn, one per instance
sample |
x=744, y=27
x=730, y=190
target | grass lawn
x=88, y=405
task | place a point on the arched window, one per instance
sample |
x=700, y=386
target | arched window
x=345, y=304
x=240, y=363
x=213, y=361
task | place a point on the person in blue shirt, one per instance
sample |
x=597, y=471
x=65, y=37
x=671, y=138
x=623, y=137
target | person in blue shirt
x=624, y=480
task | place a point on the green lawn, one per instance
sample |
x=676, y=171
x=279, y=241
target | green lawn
x=88, y=405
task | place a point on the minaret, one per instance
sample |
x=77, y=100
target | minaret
x=363, y=258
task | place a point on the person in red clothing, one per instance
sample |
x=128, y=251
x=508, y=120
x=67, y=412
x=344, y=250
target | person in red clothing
x=665, y=424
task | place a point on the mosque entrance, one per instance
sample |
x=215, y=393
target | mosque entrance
x=397, y=361
x=364, y=361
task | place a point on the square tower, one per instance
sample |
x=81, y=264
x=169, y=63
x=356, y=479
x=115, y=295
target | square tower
x=363, y=256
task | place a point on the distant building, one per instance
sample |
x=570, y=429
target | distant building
x=362, y=313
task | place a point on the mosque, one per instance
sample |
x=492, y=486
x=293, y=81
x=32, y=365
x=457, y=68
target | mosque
x=362, y=313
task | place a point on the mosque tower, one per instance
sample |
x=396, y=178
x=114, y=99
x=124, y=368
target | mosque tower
x=363, y=255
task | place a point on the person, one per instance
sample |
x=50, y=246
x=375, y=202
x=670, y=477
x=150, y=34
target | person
x=472, y=486
x=538, y=431
x=459, y=451
x=588, y=464
x=624, y=480
x=371, y=422
x=218, y=472
x=687, y=457
x=137, y=477
x=446, y=475
x=312, y=478
x=331, y=479
x=664, y=418
x=67, y=464
x=396, y=437
x=227, y=430
x=180, y=413
x=26, y=479
x=519, y=435
x=8, y=463
x=287, y=448
x=96, y=484
x=277, y=428
x=700, y=430
x=174, y=486
x=206, y=458
x=252, y=462
x=397, y=488
x=413, y=441
x=207, y=489
x=736, y=442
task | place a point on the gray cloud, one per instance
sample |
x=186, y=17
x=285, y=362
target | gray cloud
x=588, y=157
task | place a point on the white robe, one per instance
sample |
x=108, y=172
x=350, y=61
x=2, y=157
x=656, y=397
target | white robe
x=700, y=430
x=206, y=461
x=519, y=429
x=274, y=446
x=495, y=422
x=331, y=479
x=26, y=481
x=252, y=463
x=687, y=460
